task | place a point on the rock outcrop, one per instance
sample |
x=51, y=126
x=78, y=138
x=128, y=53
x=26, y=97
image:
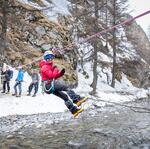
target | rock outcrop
x=30, y=33
x=139, y=39
x=138, y=69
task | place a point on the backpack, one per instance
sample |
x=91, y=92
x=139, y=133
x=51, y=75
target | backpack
x=11, y=74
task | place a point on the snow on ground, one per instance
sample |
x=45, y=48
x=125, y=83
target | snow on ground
x=42, y=103
x=124, y=90
x=10, y=105
x=29, y=105
x=54, y=8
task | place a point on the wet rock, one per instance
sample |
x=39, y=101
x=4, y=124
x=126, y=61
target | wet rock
x=14, y=147
x=79, y=144
x=104, y=130
x=99, y=130
x=10, y=136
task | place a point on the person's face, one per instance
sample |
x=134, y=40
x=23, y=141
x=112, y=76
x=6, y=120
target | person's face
x=51, y=59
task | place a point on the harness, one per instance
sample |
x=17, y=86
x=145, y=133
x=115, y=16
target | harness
x=52, y=87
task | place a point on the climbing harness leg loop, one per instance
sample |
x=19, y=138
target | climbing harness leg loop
x=52, y=87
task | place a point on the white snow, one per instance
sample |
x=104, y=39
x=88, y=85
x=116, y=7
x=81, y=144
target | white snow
x=124, y=90
x=42, y=103
x=10, y=105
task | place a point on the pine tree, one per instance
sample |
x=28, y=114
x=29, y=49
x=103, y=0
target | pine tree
x=117, y=8
x=92, y=16
x=149, y=32
x=3, y=25
x=7, y=18
x=87, y=16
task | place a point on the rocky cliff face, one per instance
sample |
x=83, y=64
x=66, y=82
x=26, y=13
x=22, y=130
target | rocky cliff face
x=139, y=40
x=30, y=33
x=138, y=69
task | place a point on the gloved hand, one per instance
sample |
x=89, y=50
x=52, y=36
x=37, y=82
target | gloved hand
x=62, y=71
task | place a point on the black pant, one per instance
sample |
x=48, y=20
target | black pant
x=6, y=83
x=63, y=91
x=59, y=88
x=35, y=85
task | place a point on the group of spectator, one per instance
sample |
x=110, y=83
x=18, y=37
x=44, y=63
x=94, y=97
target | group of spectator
x=7, y=75
x=50, y=83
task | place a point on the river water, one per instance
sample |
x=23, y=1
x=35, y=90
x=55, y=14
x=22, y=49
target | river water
x=114, y=127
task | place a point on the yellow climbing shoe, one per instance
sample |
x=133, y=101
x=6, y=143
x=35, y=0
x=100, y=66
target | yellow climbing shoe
x=78, y=103
x=77, y=112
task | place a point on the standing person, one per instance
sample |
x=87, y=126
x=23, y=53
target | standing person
x=49, y=75
x=19, y=81
x=3, y=70
x=34, y=83
x=7, y=76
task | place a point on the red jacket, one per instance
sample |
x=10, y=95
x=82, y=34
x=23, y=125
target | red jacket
x=48, y=71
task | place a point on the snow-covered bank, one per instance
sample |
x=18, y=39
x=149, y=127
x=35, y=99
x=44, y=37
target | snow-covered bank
x=30, y=105
x=27, y=105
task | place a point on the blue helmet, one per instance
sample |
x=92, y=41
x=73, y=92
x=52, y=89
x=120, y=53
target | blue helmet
x=48, y=55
